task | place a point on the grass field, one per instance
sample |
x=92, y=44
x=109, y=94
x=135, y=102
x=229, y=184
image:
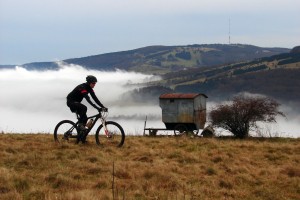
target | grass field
x=32, y=166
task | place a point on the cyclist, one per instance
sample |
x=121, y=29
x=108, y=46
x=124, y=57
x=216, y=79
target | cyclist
x=75, y=97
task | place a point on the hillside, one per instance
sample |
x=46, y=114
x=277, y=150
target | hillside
x=165, y=59
x=276, y=76
x=162, y=59
x=32, y=166
x=217, y=70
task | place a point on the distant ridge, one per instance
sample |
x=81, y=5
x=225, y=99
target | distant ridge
x=165, y=59
x=218, y=70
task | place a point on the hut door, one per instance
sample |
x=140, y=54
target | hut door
x=185, y=112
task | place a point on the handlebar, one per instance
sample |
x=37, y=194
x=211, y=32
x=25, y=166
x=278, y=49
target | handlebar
x=102, y=110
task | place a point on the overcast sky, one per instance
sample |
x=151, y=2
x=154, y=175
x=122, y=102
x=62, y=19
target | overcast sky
x=51, y=30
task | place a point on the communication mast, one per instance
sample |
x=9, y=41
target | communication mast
x=229, y=32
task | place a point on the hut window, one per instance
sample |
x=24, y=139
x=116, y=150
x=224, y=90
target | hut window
x=171, y=100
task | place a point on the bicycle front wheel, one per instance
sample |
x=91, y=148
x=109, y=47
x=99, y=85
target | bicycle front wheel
x=64, y=130
x=114, y=136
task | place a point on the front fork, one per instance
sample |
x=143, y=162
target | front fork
x=105, y=128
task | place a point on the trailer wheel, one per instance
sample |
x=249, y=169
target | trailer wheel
x=195, y=132
x=208, y=132
x=152, y=132
x=180, y=129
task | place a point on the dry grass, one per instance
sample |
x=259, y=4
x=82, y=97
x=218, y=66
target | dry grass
x=34, y=167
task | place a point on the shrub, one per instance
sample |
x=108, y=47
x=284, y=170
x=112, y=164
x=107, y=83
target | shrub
x=243, y=112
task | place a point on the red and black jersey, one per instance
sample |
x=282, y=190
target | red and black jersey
x=81, y=91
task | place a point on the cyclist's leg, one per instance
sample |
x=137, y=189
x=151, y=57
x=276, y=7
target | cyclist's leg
x=81, y=110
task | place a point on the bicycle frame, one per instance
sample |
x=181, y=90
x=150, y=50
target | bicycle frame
x=102, y=116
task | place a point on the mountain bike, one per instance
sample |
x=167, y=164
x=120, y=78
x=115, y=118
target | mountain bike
x=108, y=133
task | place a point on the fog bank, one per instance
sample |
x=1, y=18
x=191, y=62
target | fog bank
x=35, y=101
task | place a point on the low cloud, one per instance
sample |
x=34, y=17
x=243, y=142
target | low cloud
x=34, y=101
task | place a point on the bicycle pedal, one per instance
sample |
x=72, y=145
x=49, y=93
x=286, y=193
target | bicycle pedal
x=65, y=138
x=67, y=135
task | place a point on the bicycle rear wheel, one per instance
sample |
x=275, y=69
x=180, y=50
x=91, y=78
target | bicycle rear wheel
x=114, y=137
x=64, y=130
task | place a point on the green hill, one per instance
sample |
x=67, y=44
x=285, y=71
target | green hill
x=276, y=76
x=218, y=70
x=164, y=59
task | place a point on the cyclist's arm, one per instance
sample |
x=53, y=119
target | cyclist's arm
x=90, y=102
x=96, y=99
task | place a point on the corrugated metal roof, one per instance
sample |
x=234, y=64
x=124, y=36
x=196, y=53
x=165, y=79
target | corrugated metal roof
x=180, y=95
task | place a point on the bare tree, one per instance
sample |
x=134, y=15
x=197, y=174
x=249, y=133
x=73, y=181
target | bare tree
x=242, y=113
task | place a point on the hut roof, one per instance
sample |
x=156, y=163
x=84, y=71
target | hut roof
x=181, y=95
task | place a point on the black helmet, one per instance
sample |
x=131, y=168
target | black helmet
x=91, y=79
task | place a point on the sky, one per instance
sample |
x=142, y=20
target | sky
x=53, y=30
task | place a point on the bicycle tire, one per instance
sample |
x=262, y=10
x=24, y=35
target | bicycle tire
x=61, y=128
x=117, y=135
